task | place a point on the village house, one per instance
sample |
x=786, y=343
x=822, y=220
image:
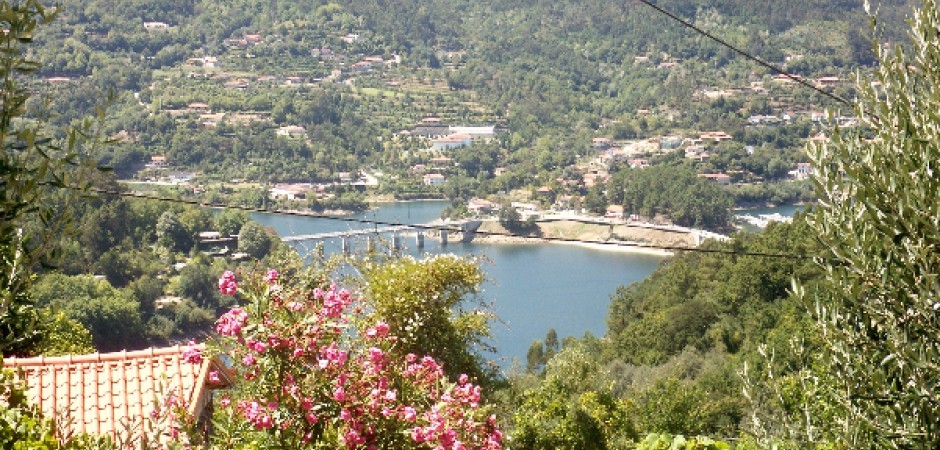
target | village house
x=434, y=179
x=601, y=143
x=289, y=191
x=473, y=132
x=614, y=212
x=157, y=161
x=827, y=82
x=719, y=178
x=638, y=163
x=500, y=171
x=802, y=171
x=715, y=136
x=441, y=161
x=113, y=394
x=292, y=131
x=451, y=141
x=481, y=206
x=198, y=107
x=156, y=26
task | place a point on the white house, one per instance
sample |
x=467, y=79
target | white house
x=292, y=131
x=434, y=179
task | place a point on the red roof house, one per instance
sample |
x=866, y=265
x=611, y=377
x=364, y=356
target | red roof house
x=113, y=393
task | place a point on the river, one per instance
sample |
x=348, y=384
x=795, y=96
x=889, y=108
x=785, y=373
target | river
x=533, y=287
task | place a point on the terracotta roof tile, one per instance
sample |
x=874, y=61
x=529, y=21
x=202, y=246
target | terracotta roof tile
x=106, y=393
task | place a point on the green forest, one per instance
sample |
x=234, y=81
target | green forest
x=820, y=333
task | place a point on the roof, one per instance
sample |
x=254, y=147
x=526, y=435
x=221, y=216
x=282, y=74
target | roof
x=109, y=393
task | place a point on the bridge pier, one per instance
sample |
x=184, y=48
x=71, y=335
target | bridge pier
x=396, y=242
x=419, y=239
x=443, y=237
x=344, y=244
x=370, y=243
x=318, y=250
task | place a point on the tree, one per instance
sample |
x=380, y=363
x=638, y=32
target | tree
x=254, y=240
x=229, y=221
x=33, y=169
x=879, y=218
x=428, y=300
x=172, y=234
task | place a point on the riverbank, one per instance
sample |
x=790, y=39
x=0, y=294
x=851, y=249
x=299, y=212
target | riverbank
x=623, y=238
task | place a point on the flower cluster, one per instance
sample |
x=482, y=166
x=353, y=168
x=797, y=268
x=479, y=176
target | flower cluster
x=312, y=371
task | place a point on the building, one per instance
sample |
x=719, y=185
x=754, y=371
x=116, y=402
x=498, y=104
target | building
x=452, y=141
x=614, y=212
x=115, y=393
x=802, y=171
x=292, y=131
x=474, y=132
x=715, y=136
x=434, y=179
x=720, y=178
x=481, y=206
x=601, y=142
x=289, y=192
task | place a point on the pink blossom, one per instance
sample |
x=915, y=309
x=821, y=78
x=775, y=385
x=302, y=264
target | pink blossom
x=248, y=360
x=339, y=394
x=232, y=322
x=214, y=376
x=227, y=284
x=193, y=354
x=271, y=276
x=380, y=330
x=409, y=414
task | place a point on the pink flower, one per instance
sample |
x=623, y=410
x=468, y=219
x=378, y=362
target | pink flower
x=248, y=360
x=271, y=276
x=339, y=394
x=231, y=323
x=193, y=354
x=380, y=330
x=225, y=401
x=214, y=376
x=409, y=414
x=227, y=284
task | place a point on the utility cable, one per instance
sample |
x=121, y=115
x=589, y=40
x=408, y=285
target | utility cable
x=743, y=53
x=373, y=222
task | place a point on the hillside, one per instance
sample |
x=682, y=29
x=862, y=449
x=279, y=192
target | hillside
x=207, y=85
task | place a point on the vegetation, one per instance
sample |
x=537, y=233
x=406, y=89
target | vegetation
x=681, y=345
x=879, y=220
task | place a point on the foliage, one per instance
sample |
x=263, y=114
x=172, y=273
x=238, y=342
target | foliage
x=565, y=411
x=254, y=240
x=22, y=426
x=880, y=222
x=63, y=336
x=674, y=192
x=111, y=315
x=314, y=371
x=32, y=165
x=430, y=302
x=679, y=442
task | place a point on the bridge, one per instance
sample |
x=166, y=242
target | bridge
x=443, y=227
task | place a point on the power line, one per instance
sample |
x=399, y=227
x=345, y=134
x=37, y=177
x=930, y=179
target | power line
x=743, y=53
x=671, y=248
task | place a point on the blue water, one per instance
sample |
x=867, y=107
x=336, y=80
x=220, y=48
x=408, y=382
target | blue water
x=533, y=287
